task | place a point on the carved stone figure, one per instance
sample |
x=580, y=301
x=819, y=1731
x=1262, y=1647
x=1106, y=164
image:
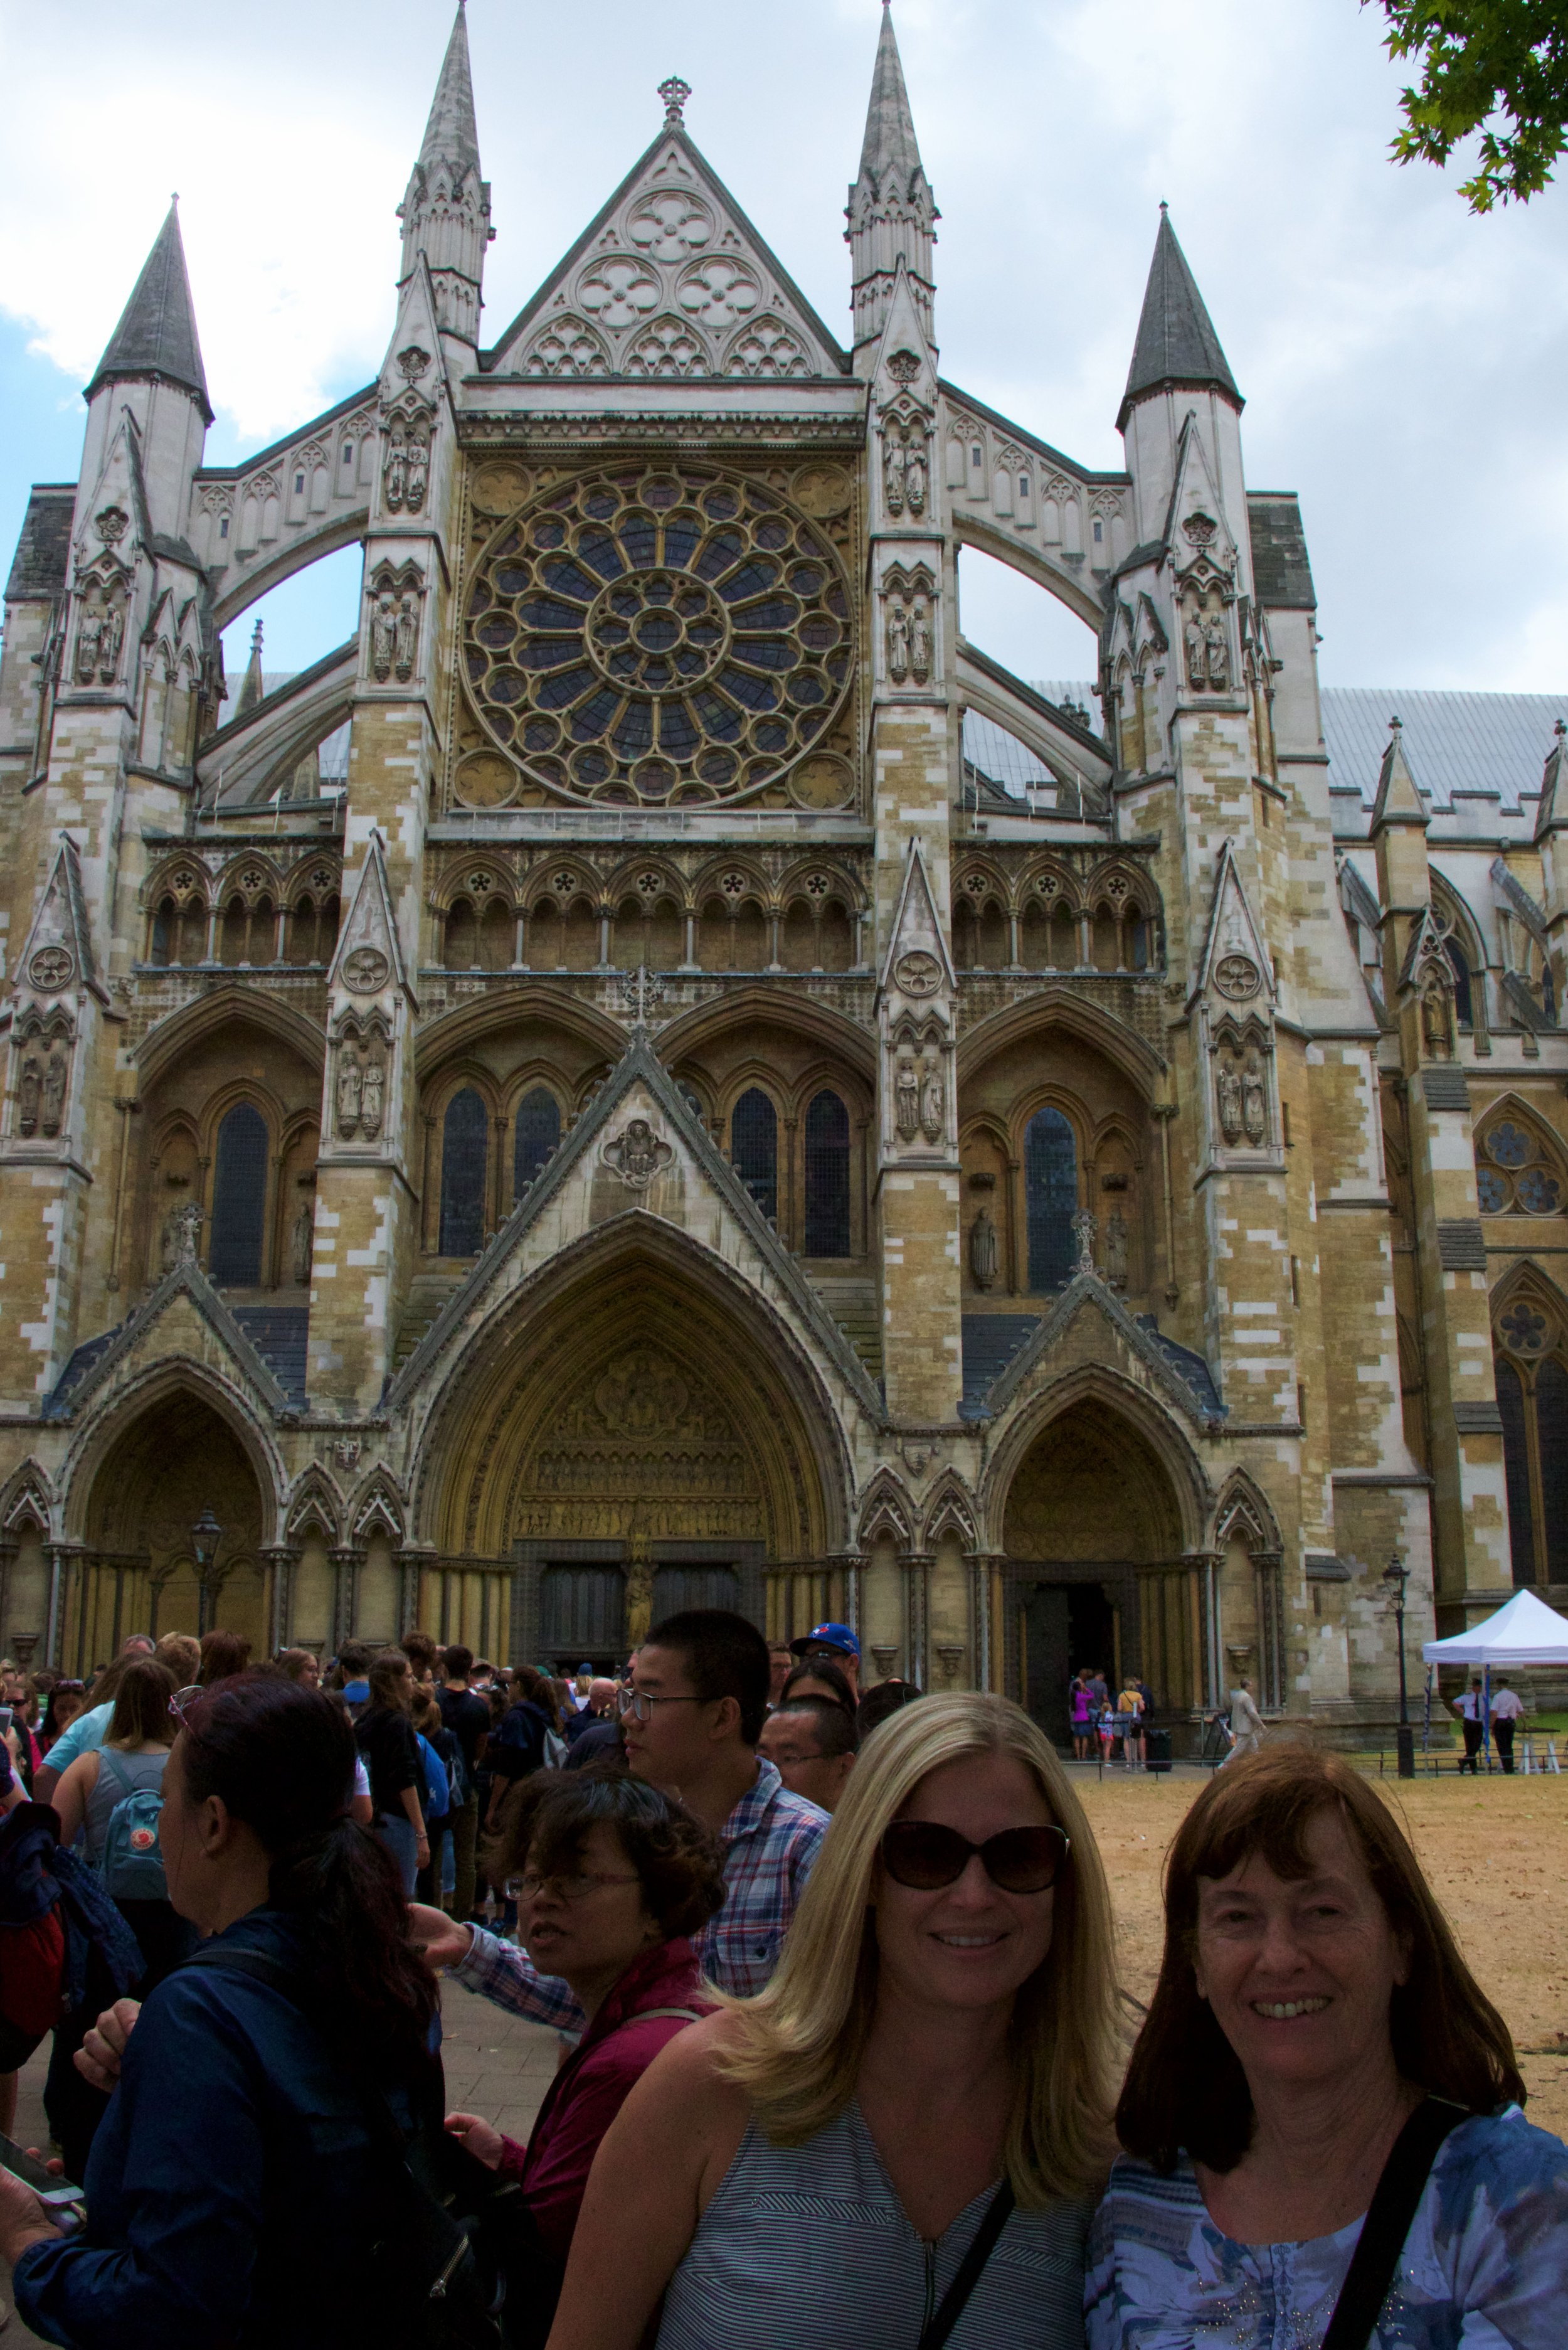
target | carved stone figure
x=1218, y=653
x=29, y=1092
x=350, y=1091
x=895, y=459
x=406, y=636
x=920, y=645
x=1197, y=654
x=933, y=1102
x=637, y=1154
x=418, y=463
x=54, y=1076
x=1117, y=1249
x=302, y=1245
x=1228, y=1092
x=907, y=1101
x=383, y=635
x=90, y=637
x=898, y=643
x=638, y=1600
x=372, y=1092
x=1083, y=1232
x=917, y=475
x=1254, y=1102
x=984, y=1254
x=1436, y=1031
x=394, y=481
x=181, y=1230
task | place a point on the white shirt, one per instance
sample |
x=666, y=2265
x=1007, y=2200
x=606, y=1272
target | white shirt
x=1468, y=1706
x=1506, y=1704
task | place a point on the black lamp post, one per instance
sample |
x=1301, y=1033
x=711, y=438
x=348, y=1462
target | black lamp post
x=205, y=1537
x=1396, y=1576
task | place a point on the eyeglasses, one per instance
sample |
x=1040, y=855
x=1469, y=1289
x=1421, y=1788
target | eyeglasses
x=925, y=1856
x=639, y=1703
x=183, y=1702
x=68, y=1689
x=570, y=1888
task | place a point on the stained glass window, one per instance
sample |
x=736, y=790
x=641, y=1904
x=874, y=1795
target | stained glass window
x=1050, y=1197
x=239, y=1200
x=827, y=1177
x=1516, y=1174
x=538, y=1131
x=754, y=1147
x=465, y=1151
x=1533, y=1397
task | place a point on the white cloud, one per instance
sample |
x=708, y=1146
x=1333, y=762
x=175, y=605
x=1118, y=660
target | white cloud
x=1401, y=361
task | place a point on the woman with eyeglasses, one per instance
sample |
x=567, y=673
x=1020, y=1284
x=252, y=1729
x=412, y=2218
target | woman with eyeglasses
x=612, y=1878
x=913, y=2116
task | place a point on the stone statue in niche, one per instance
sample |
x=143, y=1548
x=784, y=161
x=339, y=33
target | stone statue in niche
x=372, y=1093
x=182, y=1232
x=302, y=1245
x=55, y=1073
x=406, y=636
x=1228, y=1094
x=933, y=1102
x=1219, y=654
x=916, y=474
x=350, y=1092
x=89, y=638
x=907, y=1101
x=897, y=643
x=638, y=1600
x=921, y=643
x=1254, y=1102
x=1197, y=653
x=383, y=635
x=895, y=464
x=984, y=1253
x=394, y=480
x=1117, y=1249
x=419, y=463
x=1437, y=1029
x=30, y=1092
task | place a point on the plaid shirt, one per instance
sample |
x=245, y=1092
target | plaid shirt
x=770, y=1840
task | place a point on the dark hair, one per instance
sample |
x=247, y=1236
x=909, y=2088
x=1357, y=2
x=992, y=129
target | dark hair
x=49, y=1730
x=1185, y=2086
x=104, y=1685
x=294, y=1662
x=725, y=1656
x=141, y=1714
x=836, y=1730
x=419, y=1648
x=680, y=1864
x=354, y=1660
x=832, y=1675
x=281, y=1758
x=459, y=1662
x=531, y=1687
x=389, y=1677
x=223, y=1654
x=879, y=1704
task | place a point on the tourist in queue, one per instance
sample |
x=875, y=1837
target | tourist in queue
x=467, y=1716
x=595, y=1737
x=85, y=1732
x=882, y=1701
x=689, y=1719
x=1078, y=1714
x=928, y=2072
x=615, y=1880
x=301, y=1666
x=66, y=1701
x=781, y=1664
x=385, y=1736
x=223, y=1654
x=812, y=1744
x=1314, y=2031
x=831, y=1644
x=815, y=1679
x=235, y=2189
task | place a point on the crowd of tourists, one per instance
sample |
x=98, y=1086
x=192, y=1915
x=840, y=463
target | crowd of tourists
x=843, y=2056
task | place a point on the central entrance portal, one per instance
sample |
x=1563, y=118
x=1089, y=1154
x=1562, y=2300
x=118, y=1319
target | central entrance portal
x=585, y=1613
x=1062, y=1629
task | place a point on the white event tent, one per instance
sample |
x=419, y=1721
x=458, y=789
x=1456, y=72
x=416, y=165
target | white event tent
x=1525, y=1632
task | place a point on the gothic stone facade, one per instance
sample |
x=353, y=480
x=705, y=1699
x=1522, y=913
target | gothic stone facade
x=668, y=1127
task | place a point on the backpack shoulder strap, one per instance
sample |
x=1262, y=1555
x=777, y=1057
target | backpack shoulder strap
x=1388, y=2223
x=950, y=2308
x=106, y=1755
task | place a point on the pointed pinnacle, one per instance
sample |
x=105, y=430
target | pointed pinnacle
x=1176, y=343
x=889, y=145
x=452, y=134
x=157, y=331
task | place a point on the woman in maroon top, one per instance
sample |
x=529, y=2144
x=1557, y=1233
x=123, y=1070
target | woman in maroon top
x=614, y=1876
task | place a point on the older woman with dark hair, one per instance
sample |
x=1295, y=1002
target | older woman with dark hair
x=1322, y=2113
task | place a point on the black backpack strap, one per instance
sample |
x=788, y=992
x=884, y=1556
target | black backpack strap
x=1388, y=2223
x=950, y=2308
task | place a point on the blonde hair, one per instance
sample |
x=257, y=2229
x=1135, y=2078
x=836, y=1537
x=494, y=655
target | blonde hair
x=795, y=2048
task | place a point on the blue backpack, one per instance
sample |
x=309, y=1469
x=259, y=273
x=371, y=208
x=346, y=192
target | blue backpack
x=132, y=1862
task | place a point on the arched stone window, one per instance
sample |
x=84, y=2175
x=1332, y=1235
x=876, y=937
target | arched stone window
x=465, y=1135
x=165, y=926
x=1050, y=1198
x=537, y=1132
x=1516, y=1173
x=754, y=1147
x=1530, y=1359
x=239, y=1200
x=826, y=1176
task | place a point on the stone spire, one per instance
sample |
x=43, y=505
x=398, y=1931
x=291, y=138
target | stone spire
x=891, y=211
x=254, y=686
x=446, y=211
x=156, y=336
x=1177, y=344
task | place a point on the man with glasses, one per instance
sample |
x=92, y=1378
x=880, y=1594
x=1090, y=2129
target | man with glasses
x=691, y=1719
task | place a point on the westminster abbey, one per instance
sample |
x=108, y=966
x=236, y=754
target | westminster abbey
x=659, y=1073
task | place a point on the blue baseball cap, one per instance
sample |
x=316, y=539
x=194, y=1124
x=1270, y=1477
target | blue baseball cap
x=827, y=1635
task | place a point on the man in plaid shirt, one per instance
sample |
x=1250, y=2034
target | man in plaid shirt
x=691, y=1721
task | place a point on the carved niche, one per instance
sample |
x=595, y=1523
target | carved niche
x=360, y=1078
x=1206, y=590
x=43, y=1050
x=1242, y=1058
x=641, y=1450
x=637, y=1154
x=395, y=594
x=908, y=628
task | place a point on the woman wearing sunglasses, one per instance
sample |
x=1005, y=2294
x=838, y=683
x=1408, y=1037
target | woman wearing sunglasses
x=912, y=2118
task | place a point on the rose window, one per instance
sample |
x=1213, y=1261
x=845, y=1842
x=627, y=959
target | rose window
x=1514, y=1176
x=658, y=637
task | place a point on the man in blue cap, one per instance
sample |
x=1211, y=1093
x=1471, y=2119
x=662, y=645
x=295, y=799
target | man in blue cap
x=831, y=1644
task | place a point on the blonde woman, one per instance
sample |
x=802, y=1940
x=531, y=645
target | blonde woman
x=901, y=2138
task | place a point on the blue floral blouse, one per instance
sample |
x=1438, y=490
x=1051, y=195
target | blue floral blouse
x=1485, y=2266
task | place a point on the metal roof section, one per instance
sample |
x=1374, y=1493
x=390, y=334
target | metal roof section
x=1475, y=753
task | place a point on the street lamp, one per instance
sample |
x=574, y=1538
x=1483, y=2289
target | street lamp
x=205, y=1537
x=1396, y=1576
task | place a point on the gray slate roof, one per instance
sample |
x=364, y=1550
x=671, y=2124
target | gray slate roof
x=1282, y=573
x=1492, y=745
x=1176, y=343
x=43, y=549
x=157, y=331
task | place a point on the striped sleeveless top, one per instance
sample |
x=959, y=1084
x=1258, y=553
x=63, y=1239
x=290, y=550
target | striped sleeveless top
x=809, y=2245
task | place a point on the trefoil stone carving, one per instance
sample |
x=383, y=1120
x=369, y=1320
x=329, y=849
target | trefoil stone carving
x=637, y=1154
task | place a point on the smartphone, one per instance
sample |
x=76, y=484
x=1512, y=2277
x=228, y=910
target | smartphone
x=5, y=1718
x=32, y=2173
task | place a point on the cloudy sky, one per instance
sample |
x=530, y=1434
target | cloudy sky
x=1404, y=364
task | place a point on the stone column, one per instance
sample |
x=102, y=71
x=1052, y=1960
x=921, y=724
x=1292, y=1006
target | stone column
x=282, y=1558
x=916, y=1565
